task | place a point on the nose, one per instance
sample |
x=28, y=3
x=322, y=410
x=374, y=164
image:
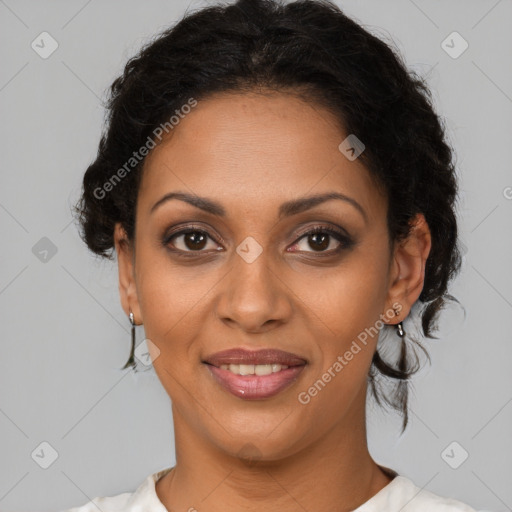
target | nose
x=253, y=297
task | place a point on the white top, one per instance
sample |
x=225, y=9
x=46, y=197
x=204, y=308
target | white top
x=400, y=494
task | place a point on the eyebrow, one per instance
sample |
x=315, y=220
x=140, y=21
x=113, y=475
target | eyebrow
x=289, y=208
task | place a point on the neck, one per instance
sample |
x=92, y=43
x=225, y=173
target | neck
x=333, y=472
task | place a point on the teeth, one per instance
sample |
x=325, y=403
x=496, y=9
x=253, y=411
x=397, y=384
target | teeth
x=254, y=369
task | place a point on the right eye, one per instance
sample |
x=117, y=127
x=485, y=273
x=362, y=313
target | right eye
x=189, y=240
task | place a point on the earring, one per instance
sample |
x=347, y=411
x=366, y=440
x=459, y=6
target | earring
x=131, y=359
x=399, y=326
x=400, y=330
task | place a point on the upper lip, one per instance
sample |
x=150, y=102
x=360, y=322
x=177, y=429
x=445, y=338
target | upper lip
x=262, y=356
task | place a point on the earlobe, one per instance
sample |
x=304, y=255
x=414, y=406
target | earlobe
x=127, y=285
x=410, y=258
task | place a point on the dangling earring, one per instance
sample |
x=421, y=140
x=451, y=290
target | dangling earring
x=131, y=359
x=399, y=326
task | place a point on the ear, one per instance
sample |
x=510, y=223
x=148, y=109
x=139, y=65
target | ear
x=407, y=274
x=126, y=265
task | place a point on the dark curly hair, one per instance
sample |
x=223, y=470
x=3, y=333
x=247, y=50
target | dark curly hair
x=312, y=49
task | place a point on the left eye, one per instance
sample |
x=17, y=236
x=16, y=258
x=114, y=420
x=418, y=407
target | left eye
x=320, y=240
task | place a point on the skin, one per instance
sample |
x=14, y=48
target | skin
x=251, y=153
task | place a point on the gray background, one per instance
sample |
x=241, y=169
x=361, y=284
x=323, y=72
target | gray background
x=65, y=336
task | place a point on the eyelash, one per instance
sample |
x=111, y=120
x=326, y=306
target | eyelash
x=345, y=241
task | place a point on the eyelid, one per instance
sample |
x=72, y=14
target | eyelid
x=343, y=237
x=327, y=227
x=187, y=228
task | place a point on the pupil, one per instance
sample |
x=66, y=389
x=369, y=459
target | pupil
x=194, y=239
x=323, y=244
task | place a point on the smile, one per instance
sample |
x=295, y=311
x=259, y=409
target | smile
x=253, y=369
x=255, y=382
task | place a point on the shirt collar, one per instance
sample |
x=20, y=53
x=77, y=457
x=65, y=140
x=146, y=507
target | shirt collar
x=389, y=497
x=145, y=497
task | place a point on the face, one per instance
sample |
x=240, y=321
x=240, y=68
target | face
x=250, y=273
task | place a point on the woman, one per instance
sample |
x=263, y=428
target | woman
x=279, y=193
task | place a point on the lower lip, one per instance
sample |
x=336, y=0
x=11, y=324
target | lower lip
x=255, y=387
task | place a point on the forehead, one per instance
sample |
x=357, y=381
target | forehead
x=254, y=148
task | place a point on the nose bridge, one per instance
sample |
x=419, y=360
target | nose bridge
x=253, y=296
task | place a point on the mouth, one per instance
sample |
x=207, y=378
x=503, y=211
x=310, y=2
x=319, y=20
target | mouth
x=254, y=375
x=254, y=369
x=262, y=357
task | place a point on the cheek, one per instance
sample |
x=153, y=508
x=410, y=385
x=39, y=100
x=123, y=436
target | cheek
x=345, y=299
x=349, y=308
x=167, y=289
x=170, y=299
x=344, y=308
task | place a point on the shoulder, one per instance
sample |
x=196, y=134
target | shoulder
x=411, y=498
x=143, y=498
x=402, y=494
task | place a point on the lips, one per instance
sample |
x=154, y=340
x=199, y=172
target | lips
x=255, y=387
x=262, y=356
x=287, y=366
